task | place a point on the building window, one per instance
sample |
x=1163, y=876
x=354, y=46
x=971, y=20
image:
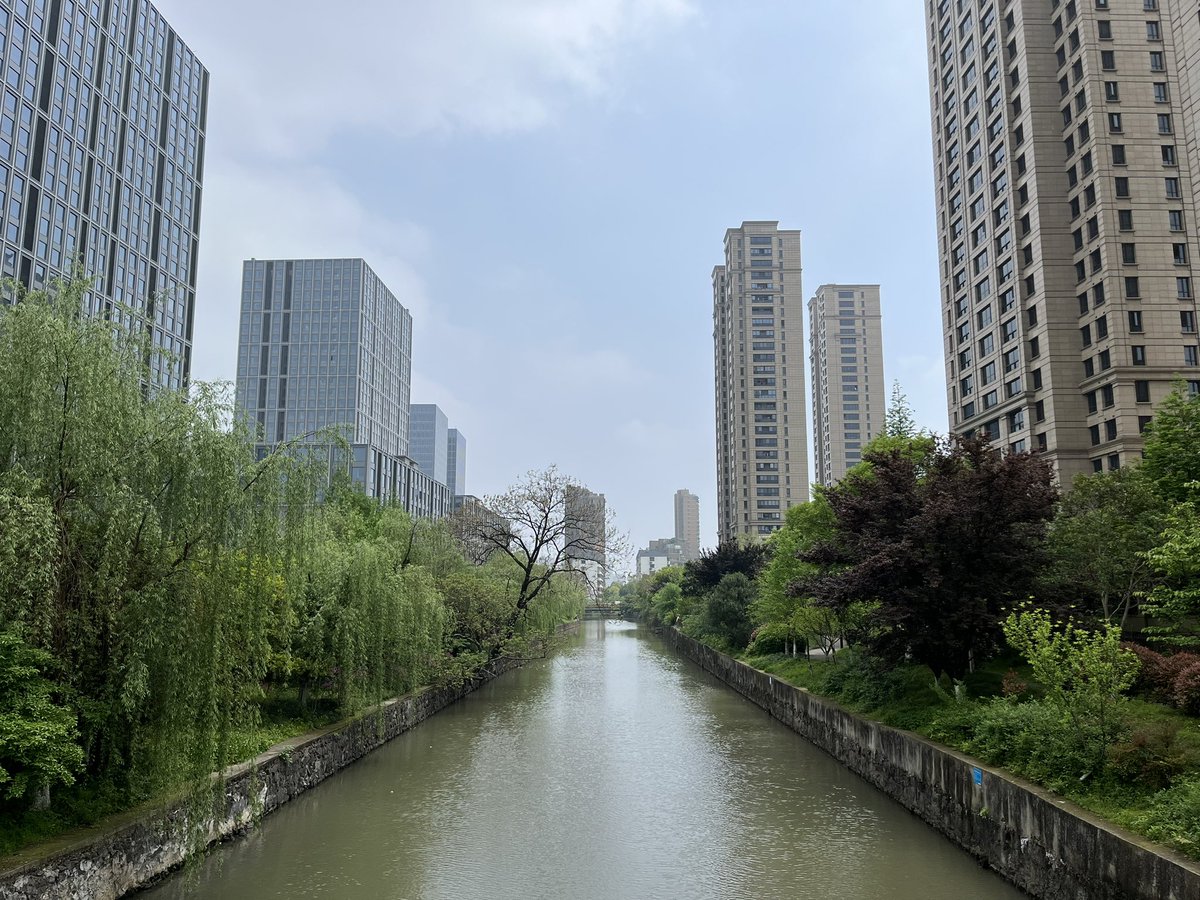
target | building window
x=1139, y=354
x=1135, y=321
x=1191, y=355
x=1141, y=391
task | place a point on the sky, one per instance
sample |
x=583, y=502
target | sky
x=546, y=184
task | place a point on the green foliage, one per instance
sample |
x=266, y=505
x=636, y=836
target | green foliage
x=1033, y=739
x=1172, y=454
x=1099, y=540
x=724, y=619
x=1084, y=673
x=1175, y=602
x=702, y=575
x=38, y=746
x=776, y=605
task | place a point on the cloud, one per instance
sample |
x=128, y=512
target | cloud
x=289, y=82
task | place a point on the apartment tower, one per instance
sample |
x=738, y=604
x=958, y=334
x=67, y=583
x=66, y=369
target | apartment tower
x=1064, y=138
x=846, y=355
x=324, y=345
x=687, y=523
x=101, y=164
x=758, y=315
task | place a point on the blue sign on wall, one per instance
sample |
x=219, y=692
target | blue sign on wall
x=977, y=775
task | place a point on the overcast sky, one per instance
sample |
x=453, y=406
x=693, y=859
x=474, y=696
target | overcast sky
x=545, y=184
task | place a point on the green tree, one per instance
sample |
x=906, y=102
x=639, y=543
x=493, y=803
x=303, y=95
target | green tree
x=725, y=617
x=1084, y=672
x=705, y=573
x=1100, y=537
x=38, y=737
x=778, y=607
x=1175, y=602
x=1172, y=457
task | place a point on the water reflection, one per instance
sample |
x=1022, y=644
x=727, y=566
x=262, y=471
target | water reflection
x=614, y=770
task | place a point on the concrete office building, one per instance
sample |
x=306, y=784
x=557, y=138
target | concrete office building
x=325, y=345
x=101, y=156
x=1065, y=150
x=428, y=431
x=758, y=322
x=687, y=523
x=846, y=355
x=456, y=462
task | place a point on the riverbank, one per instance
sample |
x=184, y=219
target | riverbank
x=1045, y=845
x=133, y=849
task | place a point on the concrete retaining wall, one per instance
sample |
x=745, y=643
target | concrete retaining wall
x=114, y=860
x=1048, y=847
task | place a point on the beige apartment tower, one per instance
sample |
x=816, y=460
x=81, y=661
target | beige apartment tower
x=687, y=523
x=846, y=355
x=1065, y=152
x=758, y=326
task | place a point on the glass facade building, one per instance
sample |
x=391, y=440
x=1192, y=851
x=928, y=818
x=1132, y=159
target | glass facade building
x=324, y=345
x=456, y=462
x=102, y=125
x=428, y=437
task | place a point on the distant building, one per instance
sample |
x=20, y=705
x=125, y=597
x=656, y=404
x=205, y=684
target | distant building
x=687, y=523
x=758, y=320
x=586, y=534
x=652, y=560
x=428, y=433
x=846, y=354
x=456, y=462
x=325, y=345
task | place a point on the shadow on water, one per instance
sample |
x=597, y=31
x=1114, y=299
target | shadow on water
x=615, y=769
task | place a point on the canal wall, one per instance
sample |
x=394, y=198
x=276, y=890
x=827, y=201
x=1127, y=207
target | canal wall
x=133, y=850
x=1046, y=846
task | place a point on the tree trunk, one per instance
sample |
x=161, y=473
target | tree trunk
x=41, y=799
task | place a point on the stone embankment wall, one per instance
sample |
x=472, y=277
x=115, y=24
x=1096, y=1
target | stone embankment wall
x=1044, y=845
x=118, y=859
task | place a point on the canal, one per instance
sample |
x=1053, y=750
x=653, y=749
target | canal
x=614, y=770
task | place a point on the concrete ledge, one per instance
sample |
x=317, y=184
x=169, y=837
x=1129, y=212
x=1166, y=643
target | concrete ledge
x=1043, y=844
x=135, y=848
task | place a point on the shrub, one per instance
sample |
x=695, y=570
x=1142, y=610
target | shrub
x=1152, y=757
x=1174, y=817
x=1159, y=672
x=1033, y=739
x=1187, y=688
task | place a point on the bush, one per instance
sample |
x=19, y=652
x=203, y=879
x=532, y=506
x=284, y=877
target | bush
x=1187, y=688
x=1033, y=739
x=1159, y=672
x=1152, y=757
x=1174, y=817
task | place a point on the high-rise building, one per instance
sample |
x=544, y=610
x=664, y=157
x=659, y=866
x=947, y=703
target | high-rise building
x=101, y=164
x=456, y=462
x=585, y=531
x=758, y=320
x=846, y=353
x=1065, y=152
x=325, y=345
x=687, y=523
x=428, y=432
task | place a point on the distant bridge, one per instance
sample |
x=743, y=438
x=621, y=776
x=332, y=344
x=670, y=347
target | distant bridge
x=608, y=612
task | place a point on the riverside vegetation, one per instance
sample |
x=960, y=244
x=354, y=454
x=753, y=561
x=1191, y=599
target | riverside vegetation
x=947, y=589
x=172, y=601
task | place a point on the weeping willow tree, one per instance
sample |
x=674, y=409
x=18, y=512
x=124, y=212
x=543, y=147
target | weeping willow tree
x=153, y=568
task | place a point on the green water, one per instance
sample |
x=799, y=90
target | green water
x=614, y=770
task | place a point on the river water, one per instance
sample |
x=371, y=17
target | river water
x=615, y=769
